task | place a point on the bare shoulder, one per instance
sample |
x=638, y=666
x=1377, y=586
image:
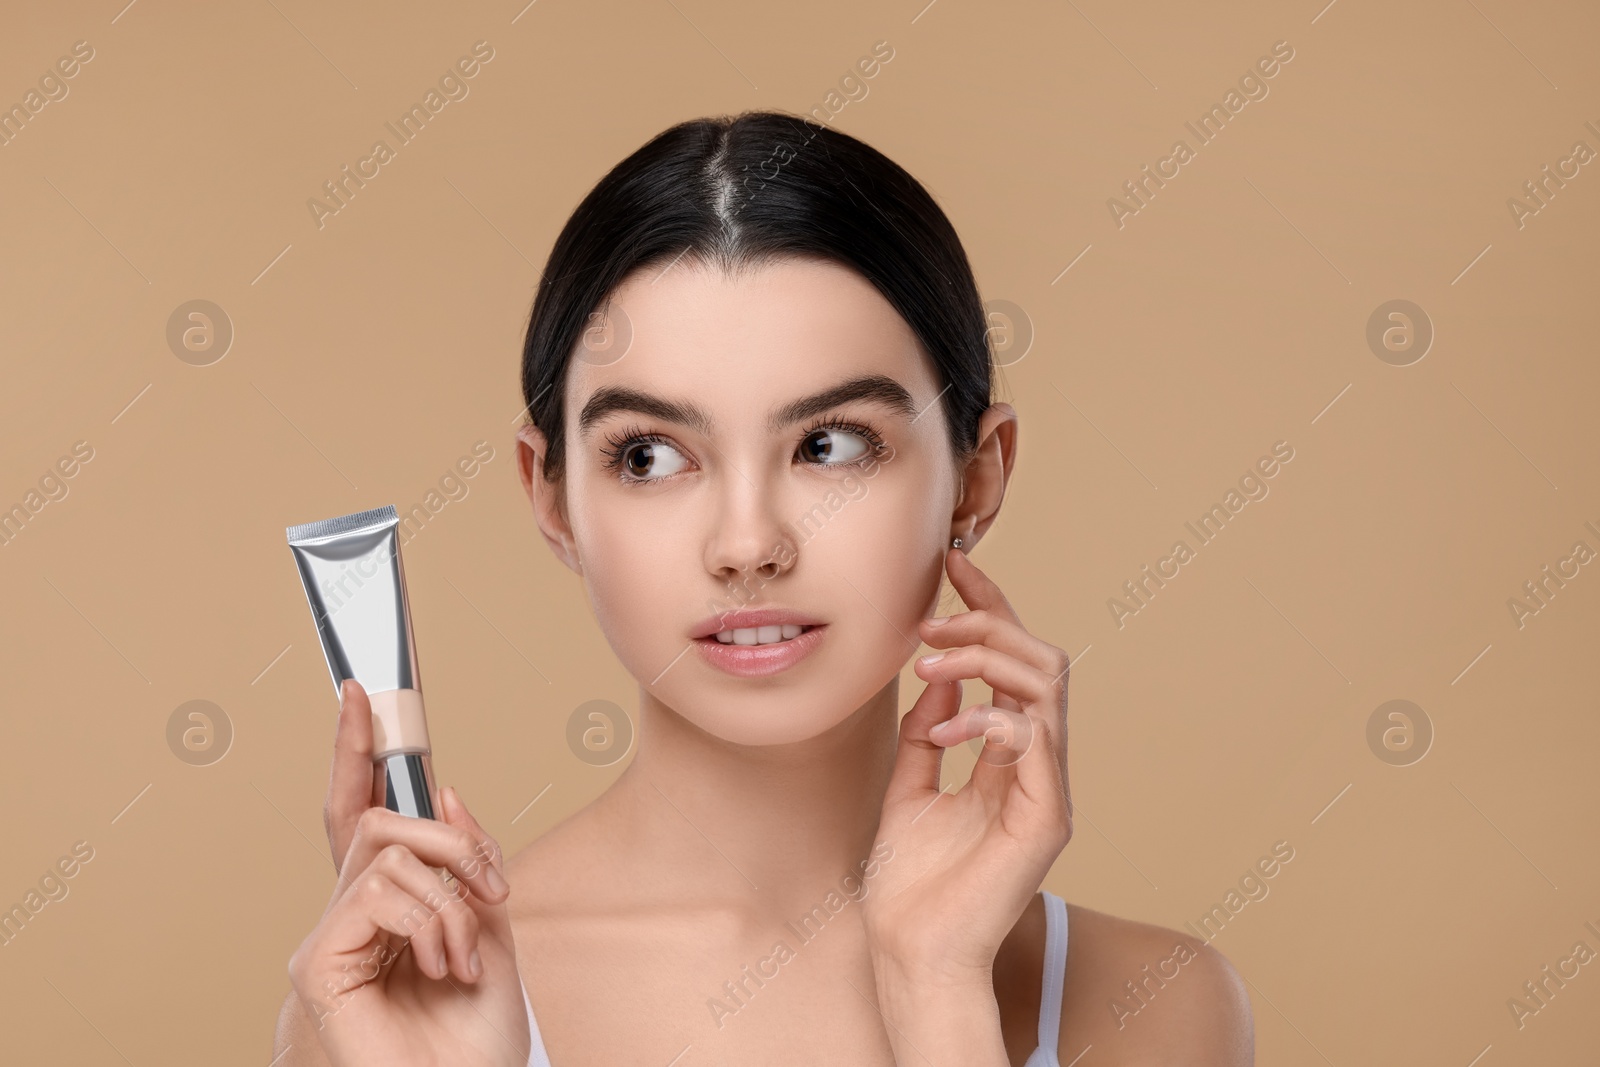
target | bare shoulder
x=1141, y=993
x=580, y=869
x=550, y=869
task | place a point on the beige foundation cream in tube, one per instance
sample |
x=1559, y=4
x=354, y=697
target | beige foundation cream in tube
x=350, y=567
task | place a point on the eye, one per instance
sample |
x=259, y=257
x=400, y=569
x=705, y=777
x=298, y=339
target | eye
x=836, y=444
x=640, y=458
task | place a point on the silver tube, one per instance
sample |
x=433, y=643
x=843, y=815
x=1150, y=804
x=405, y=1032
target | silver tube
x=355, y=584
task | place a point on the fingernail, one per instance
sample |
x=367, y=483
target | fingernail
x=475, y=965
x=443, y=963
x=939, y=729
x=928, y=661
x=496, y=880
x=938, y=620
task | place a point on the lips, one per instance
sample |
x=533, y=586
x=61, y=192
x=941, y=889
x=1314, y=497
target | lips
x=758, y=642
x=760, y=660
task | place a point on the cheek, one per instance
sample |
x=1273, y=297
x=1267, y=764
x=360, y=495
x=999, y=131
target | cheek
x=888, y=545
x=632, y=588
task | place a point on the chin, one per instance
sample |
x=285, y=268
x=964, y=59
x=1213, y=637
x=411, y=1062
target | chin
x=774, y=722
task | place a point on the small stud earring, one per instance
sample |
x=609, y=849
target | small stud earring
x=955, y=543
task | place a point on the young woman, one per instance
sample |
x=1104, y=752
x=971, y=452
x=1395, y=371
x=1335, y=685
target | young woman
x=762, y=432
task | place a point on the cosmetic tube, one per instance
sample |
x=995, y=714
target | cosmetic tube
x=350, y=567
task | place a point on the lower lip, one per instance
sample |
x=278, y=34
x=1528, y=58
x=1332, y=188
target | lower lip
x=756, y=661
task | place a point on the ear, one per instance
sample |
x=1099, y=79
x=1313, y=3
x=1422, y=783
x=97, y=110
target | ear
x=984, y=479
x=548, y=498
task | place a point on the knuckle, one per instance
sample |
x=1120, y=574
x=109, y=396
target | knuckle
x=297, y=965
x=467, y=926
x=465, y=860
x=392, y=856
x=368, y=822
x=484, y=853
x=489, y=849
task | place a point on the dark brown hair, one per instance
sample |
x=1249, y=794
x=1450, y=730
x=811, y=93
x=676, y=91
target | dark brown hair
x=739, y=191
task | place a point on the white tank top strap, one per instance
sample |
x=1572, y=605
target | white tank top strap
x=537, y=1057
x=1055, y=972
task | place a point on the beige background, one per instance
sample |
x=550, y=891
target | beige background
x=1229, y=314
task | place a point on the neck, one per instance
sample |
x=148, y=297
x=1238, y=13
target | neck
x=783, y=822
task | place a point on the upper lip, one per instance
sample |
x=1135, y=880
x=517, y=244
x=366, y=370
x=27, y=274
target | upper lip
x=749, y=620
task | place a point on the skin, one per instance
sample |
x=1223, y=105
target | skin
x=749, y=799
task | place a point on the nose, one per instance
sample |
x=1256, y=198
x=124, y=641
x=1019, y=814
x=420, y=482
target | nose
x=748, y=540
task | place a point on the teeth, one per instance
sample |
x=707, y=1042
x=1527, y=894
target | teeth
x=759, y=635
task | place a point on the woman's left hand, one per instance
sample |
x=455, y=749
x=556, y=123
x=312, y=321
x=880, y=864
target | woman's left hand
x=965, y=864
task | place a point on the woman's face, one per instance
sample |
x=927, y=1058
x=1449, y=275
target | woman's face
x=785, y=418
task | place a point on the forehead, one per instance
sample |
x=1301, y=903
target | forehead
x=738, y=345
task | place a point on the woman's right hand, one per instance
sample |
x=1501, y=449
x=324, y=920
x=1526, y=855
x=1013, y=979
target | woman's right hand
x=403, y=967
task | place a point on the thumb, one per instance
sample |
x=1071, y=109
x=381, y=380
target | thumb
x=918, y=759
x=350, y=778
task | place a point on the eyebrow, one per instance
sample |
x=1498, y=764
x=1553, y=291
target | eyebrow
x=872, y=388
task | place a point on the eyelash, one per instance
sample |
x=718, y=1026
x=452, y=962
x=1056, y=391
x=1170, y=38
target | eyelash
x=617, y=446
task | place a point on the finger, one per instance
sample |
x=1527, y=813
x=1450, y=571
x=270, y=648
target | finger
x=487, y=853
x=917, y=758
x=449, y=941
x=436, y=843
x=363, y=930
x=1007, y=735
x=977, y=589
x=350, y=776
x=455, y=812
x=999, y=631
x=1046, y=817
x=1012, y=680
